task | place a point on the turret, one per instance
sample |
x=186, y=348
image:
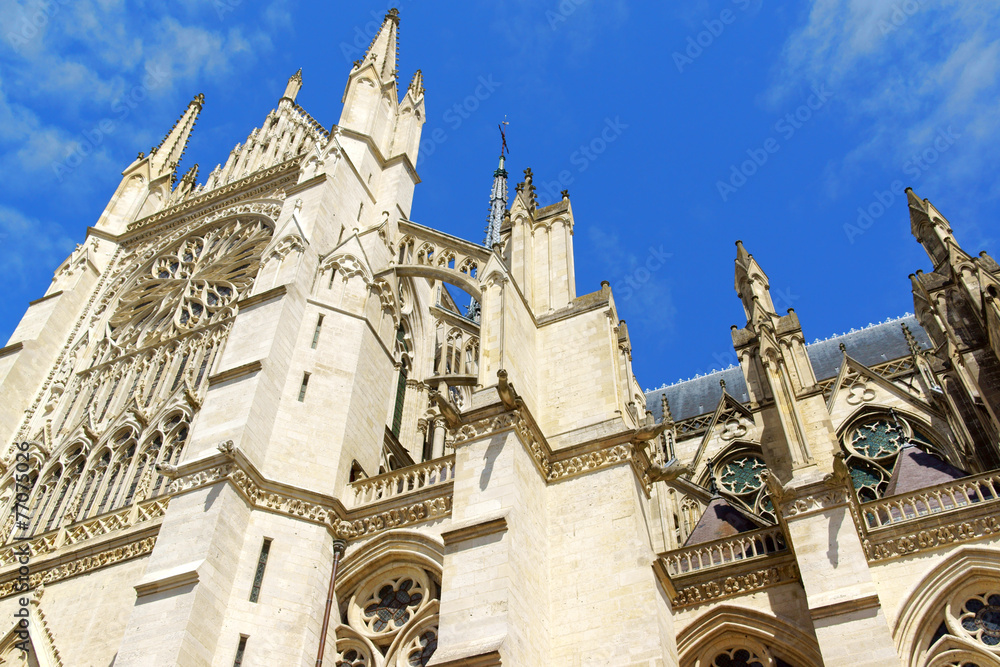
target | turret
x=146, y=184
x=370, y=99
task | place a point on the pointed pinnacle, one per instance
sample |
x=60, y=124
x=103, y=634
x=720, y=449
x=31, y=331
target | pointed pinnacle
x=911, y=341
x=665, y=404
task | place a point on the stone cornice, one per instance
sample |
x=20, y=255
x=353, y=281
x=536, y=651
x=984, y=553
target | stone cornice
x=479, y=527
x=583, y=458
x=255, y=299
x=845, y=607
x=730, y=582
x=234, y=373
x=215, y=199
x=231, y=465
x=11, y=349
x=919, y=539
x=45, y=298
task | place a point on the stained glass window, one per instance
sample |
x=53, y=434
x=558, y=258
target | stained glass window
x=258, y=576
x=421, y=655
x=742, y=475
x=737, y=658
x=980, y=617
x=392, y=606
x=878, y=439
x=240, y=650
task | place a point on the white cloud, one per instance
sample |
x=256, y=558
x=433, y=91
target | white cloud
x=902, y=70
x=29, y=247
x=69, y=64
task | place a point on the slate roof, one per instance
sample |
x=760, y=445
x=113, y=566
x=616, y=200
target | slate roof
x=720, y=520
x=916, y=469
x=870, y=346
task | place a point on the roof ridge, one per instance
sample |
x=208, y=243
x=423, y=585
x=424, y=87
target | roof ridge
x=698, y=376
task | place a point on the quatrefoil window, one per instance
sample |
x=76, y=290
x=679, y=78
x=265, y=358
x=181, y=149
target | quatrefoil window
x=392, y=605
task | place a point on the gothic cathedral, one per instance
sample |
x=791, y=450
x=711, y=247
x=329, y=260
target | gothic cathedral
x=247, y=425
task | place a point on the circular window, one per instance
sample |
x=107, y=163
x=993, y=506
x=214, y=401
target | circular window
x=388, y=600
x=878, y=439
x=980, y=618
x=742, y=475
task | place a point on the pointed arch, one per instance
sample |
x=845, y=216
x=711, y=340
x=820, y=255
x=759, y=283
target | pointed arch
x=726, y=626
x=924, y=607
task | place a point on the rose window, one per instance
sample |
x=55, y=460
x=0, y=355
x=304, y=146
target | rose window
x=878, y=439
x=872, y=448
x=192, y=284
x=742, y=475
x=980, y=618
x=741, y=479
x=392, y=606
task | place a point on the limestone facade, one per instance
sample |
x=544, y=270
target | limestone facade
x=241, y=395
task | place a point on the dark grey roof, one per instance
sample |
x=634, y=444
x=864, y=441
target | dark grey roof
x=870, y=346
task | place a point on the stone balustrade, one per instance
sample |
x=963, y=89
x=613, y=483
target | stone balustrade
x=719, y=553
x=402, y=481
x=946, y=497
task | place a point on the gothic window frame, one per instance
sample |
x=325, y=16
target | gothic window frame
x=392, y=557
x=754, y=500
x=870, y=475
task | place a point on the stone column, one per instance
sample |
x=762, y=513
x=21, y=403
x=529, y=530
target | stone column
x=850, y=626
x=437, y=449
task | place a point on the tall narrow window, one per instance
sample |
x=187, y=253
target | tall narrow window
x=180, y=372
x=302, y=389
x=240, y=650
x=258, y=576
x=319, y=325
x=397, y=416
x=333, y=274
x=361, y=207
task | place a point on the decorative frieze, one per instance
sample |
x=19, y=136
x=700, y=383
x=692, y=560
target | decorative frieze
x=230, y=465
x=816, y=502
x=931, y=538
x=740, y=584
x=426, y=510
x=81, y=565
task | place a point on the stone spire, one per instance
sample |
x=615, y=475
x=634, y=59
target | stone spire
x=383, y=49
x=164, y=158
x=416, y=88
x=293, y=87
x=498, y=198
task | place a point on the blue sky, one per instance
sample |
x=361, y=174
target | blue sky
x=678, y=128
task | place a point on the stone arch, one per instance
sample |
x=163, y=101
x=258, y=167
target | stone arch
x=728, y=625
x=924, y=606
x=386, y=562
x=454, y=277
